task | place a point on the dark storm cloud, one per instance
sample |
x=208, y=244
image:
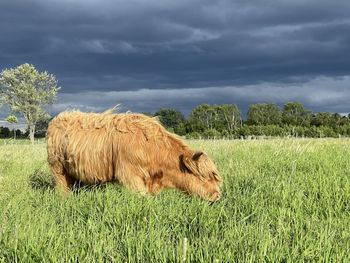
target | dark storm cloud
x=315, y=94
x=128, y=46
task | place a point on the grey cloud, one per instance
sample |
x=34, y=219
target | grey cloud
x=315, y=94
x=111, y=46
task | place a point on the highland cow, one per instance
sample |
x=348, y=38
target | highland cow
x=131, y=149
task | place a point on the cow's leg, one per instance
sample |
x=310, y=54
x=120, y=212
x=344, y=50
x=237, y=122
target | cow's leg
x=155, y=184
x=63, y=181
x=134, y=179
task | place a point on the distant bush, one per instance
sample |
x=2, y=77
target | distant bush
x=193, y=135
x=211, y=134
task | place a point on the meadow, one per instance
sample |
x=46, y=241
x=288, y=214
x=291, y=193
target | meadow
x=283, y=200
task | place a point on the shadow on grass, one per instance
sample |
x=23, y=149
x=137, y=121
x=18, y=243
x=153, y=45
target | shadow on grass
x=40, y=180
x=43, y=181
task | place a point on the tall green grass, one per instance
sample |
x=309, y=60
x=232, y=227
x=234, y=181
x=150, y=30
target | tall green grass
x=283, y=200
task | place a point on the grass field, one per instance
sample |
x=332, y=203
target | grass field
x=283, y=200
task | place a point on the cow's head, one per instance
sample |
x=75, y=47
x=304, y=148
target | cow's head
x=204, y=177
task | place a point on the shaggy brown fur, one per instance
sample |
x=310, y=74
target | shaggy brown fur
x=132, y=149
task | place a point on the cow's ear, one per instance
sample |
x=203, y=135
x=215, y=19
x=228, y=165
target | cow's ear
x=196, y=155
x=191, y=163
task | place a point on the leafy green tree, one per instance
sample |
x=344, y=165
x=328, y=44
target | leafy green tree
x=333, y=120
x=172, y=119
x=225, y=117
x=4, y=132
x=336, y=120
x=321, y=119
x=344, y=121
x=228, y=118
x=295, y=114
x=18, y=133
x=12, y=119
x=264, y=114
x=202, y=118
x=27, y=91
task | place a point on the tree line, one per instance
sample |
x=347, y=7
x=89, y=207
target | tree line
x=11, y=132
x=263, y=119
x=225, y=121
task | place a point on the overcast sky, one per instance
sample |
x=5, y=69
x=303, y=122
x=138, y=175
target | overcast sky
x=147, y=54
